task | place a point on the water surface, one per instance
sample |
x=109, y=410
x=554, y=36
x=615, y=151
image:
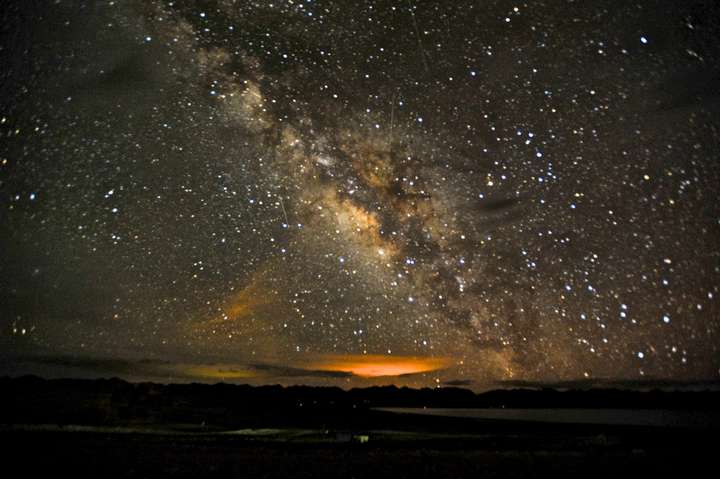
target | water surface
x=626, y=417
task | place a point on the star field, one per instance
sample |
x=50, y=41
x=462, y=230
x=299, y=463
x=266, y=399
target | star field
x=344, y=192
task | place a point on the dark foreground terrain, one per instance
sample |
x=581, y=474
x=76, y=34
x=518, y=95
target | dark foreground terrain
x=546, y=453
x=116, y=429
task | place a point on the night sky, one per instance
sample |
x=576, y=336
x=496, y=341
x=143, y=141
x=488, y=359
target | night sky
x=349, y=192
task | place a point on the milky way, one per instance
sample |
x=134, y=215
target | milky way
x=342, y=192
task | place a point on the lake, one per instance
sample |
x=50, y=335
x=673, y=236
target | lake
x=624, y=417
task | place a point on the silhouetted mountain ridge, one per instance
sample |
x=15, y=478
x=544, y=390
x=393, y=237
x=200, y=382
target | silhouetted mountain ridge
x=31, y=399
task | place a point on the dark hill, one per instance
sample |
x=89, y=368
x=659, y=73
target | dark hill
x=32, y=400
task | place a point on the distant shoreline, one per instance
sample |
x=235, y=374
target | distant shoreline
x=619, y=417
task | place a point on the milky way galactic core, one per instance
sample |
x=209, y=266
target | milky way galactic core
x=350, y=192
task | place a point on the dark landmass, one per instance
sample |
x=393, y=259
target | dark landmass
x=112, y=428
x=31, y=400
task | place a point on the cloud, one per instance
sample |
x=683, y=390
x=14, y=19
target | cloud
x=458, y=382
x=322, y=366
x=290, y=372
x=74, y=366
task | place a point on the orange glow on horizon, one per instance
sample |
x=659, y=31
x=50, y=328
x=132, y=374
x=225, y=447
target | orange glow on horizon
x=376, y=365
x=360, y=366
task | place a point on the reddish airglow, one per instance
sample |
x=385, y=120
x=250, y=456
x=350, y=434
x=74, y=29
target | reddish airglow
x=370, y=366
